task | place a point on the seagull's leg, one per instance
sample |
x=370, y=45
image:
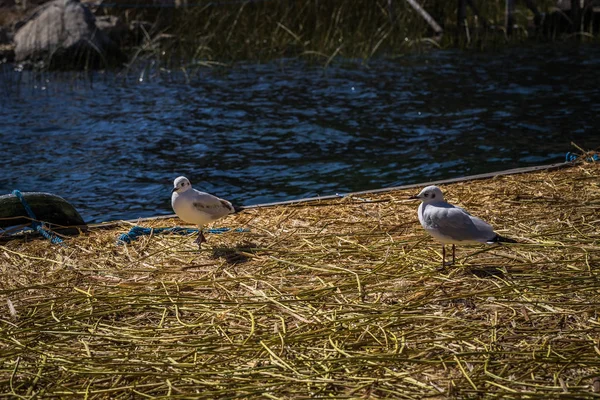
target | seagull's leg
x=453, y=255
x=443, y=256
x=200, y=239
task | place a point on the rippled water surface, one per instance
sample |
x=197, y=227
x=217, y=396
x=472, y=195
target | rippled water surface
x=112, y=143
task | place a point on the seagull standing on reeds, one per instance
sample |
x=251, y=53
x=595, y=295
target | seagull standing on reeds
x=450, y=224
x=197, y=207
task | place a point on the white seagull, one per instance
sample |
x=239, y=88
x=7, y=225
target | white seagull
x=197, y=207
x=450, y=224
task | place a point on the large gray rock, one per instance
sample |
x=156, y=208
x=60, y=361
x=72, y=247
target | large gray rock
x=63, y=33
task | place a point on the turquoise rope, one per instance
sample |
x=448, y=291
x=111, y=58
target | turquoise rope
x=137, y=231
x=572, y=157
x=35, y=224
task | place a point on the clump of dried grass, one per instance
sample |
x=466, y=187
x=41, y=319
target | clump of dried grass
x=335, y=298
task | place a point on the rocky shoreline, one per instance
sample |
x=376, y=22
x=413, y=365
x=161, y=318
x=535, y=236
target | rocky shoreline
x=64, y=34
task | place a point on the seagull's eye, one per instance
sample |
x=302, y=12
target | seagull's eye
x=433, y=196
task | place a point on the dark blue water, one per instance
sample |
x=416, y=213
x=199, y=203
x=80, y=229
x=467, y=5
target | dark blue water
x=112, y=143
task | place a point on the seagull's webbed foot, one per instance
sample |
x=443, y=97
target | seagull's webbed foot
x=200, y=239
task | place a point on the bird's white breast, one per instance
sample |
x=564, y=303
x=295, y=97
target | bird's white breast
x=183, y=205
x=427, y=220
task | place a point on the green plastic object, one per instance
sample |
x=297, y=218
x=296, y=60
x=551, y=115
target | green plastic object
x=58, y=214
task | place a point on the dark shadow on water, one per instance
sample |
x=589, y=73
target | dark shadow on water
x=487, y=272
x=235, y=255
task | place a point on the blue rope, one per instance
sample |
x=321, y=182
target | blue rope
x=572, y=157
x=35, y=224
x=137, y=231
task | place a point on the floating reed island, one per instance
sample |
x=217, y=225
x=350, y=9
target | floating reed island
x=337, y=298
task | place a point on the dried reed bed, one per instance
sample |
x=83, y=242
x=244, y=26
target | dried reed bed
x=338, y=299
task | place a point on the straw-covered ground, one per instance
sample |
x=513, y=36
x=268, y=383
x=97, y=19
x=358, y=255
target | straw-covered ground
x=336, y=299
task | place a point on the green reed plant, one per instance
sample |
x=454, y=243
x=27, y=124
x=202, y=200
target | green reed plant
x=205, y=33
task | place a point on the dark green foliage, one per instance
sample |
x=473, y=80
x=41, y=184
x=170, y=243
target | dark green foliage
x=317, y=30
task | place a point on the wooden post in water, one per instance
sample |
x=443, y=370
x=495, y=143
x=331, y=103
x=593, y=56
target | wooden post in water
x=576, y=15
x=509, y=16
x=461, y=17
x=587, y=16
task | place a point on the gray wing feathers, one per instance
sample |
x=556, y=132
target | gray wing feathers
x=212, y=205
x=457, y=224
x=227, y=205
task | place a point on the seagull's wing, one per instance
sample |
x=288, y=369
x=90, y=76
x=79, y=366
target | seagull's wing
x=457, y=224
x=212, y=205
x=462, y=209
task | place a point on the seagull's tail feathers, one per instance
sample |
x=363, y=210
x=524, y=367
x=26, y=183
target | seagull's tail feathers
x=502, y=239
x=230, y=207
